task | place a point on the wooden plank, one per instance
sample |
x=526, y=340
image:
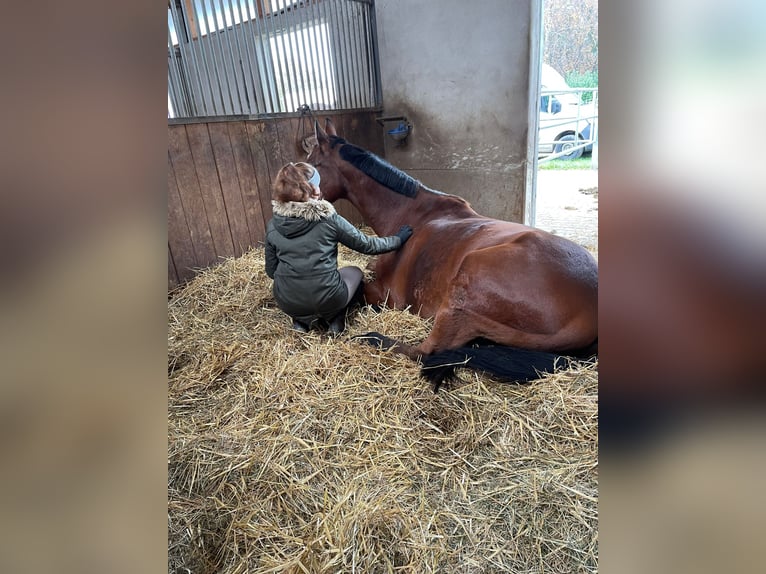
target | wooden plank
x=180, y=242
x=173, y=281
x=281, y=156
x=289, y=132
x=190, y=198
x=256, y=138
x=210, y=189
x=230, y=187
x=249, y=183
x=266, y=150
x=343, y=125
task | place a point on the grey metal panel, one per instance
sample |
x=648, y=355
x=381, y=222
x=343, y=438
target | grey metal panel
x=349, y=11
x=340, y=54
x=328, y=74
x=220, y=52
x=317, y=52
x=189, y=60
x=206, y=59
x=229, y=35
x=273, y=33
x=265, y=75
x=308, y=55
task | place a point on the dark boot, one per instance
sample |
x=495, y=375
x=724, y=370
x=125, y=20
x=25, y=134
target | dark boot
x=358, y=298
x=300, y=327
x=338, y=324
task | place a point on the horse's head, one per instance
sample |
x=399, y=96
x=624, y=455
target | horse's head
x=324, y=157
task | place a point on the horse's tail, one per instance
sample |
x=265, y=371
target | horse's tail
x=509, y=364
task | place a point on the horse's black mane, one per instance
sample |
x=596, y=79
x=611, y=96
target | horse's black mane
x=379, y=170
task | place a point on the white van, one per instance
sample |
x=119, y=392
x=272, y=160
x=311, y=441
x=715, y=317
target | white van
x=565, y=123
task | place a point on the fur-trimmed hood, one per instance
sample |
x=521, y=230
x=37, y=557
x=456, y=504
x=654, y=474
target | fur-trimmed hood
x=294, y=218
x=311, y=210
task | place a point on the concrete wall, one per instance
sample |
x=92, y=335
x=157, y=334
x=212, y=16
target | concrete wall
x=459, y=71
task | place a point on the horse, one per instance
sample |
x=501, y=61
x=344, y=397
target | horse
x=505, y=298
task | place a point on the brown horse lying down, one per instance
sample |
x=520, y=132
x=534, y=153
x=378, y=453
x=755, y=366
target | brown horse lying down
x=531, y=294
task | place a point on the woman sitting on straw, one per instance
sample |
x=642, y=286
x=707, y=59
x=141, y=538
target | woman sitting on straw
x=302, y=251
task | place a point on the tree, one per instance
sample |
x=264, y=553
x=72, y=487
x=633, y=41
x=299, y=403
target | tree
x=570, y=36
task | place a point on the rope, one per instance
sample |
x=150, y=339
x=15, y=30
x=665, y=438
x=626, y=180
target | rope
x=306, y=115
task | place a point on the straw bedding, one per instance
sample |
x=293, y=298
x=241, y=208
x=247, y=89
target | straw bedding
x=295, y=453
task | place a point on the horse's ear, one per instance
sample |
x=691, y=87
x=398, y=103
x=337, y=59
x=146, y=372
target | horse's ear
x=320, y=134
x=330, y=127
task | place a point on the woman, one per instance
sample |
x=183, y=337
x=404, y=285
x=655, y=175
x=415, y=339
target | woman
x=302, y=251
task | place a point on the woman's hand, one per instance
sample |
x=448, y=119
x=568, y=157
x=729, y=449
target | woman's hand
x=404, y=233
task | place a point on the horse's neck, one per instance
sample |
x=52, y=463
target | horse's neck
x=382, y=209
x=386, y=211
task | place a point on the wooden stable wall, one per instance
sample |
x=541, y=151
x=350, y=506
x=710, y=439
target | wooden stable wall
x=219, y=183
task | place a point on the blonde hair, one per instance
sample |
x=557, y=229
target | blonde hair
x=291, y=183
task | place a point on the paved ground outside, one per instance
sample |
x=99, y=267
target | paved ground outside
x=567, y=205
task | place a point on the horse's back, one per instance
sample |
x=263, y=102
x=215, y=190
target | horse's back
x=522, y=295
x=526, y=287
x=516, y=247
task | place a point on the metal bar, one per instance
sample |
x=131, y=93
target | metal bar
x=296, y=56
x=557, y=155
x=266, y=68
x=348, y=58
x=198, y=43
x=175, y=90
x=328, y=78
x=203, y=53
x=213, y=37
x=304, y=47
x=207, y=48
x=370, y=100
x=349, y=37
x=356, y=51
x=244, y=57
x=258, y=103
x=256, y=65
x=346, y=51
x=306, y=52
x=293, y=62
x=236, y=62
x=310, y=35
x=174, y=81
x=281, y=63
x=363, y=56
x=375, y=55
x=223, y=34
x=364, y=47
x=332, y=70
x=198, y=104
x=281, y=48
x=173, y=75
x=338, y=55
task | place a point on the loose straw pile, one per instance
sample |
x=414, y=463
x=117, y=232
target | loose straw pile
x=296, y=453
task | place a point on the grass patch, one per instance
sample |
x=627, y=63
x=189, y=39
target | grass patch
x=557, y=164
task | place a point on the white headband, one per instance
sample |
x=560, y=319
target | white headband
x=314, y=179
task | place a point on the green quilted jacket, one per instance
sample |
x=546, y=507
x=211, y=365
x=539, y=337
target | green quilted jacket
x=302, y=257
